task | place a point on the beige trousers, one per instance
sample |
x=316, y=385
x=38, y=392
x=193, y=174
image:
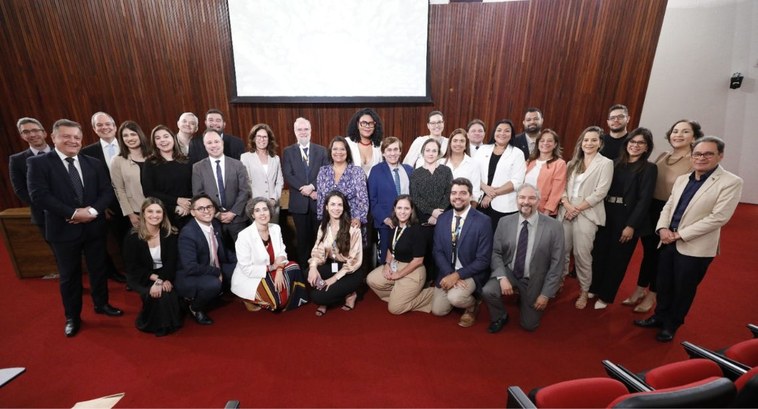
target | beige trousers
x=579, y=235
x=404, y=294
x=444, y=301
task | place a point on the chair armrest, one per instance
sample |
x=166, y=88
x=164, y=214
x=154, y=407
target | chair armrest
x=754, y=329
x=731, y=368
x=518, y=399
x=631, y=380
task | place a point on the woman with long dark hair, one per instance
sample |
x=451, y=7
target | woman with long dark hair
x=547, y=170
x=126, y=169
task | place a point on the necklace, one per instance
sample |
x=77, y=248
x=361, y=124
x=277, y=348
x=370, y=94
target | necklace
x=365, y=144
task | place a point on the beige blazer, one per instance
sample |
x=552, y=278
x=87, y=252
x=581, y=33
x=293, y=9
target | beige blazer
x=264, y=184
x=125, y=178
x=597, y=181
x=710, y=208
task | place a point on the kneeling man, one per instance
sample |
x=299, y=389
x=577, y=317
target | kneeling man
x=527, y=255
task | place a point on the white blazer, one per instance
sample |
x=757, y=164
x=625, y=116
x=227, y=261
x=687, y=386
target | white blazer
x=253, y=260
x=415, y=157
x=355, y=152
x=468, y=169
x=264, y=184
x=510, y=168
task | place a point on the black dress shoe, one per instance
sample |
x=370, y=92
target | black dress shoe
x=72, y=327
x=201, y=318
x=665, y=336
x=651, y=322
x=497, y=325
x=118, y=277
x=109, y=310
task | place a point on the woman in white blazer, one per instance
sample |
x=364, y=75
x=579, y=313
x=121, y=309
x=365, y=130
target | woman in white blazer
x=264, y=169
x=463, y=166
x=364, y=135
x=589, y=177
x=126, y=169
x=502, y=169
x=264, y=278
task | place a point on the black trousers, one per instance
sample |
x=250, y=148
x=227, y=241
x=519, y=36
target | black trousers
x=649, y=265
x=610, y=258
x=68, y=257
x=338, y=291
x=678, y=278
x=306, y=229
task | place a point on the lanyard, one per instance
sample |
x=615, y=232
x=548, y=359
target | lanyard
x=396, y=237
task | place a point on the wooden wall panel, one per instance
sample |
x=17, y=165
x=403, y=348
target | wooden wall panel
x=151, y=60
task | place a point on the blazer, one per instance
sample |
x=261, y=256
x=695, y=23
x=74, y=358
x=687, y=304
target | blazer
x=637, y=198
x=51, y=188
x=474, y=247
x=127, y=184
x=236, y=185
x=597, y=181
x=355, y=152
x=233, y=147
x=545, y=262
x=522, y=143
x=710, y=208
x=469, y=169
x=265, y=184
x=296, y=176
x=415, y=157
x=195, y=256
x=510, y=168
x=552, y=183
x=17, y=170
x=138, y=262
x=253, y=259
x=382, y=191
x=95, y=150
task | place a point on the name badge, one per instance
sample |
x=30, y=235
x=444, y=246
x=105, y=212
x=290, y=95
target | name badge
x=393, y=266
x=335, y=268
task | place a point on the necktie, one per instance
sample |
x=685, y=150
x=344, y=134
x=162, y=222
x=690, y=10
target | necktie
x=456, y=232
x=214, y=250
x=40, y=153
x=523, y=242
x=396, y=178
x=305, y=161
x=220, y=181
x=110, y=153
x=76, y=180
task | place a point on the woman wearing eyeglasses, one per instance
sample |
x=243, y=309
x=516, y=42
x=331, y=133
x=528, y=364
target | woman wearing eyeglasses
x=436, y=125
x=670, y=165
x=626, y=215
x=364, y=136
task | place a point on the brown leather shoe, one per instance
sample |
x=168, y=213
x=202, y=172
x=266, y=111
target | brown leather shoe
x=469, y=317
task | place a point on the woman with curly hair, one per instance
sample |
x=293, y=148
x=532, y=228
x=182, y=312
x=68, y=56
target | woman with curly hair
x=364, y=137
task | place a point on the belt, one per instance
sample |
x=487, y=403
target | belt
x=615, y=199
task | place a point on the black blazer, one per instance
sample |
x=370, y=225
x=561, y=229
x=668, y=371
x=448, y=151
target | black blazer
x=17, y=169
x=296, y=176
x=95, y=150
x=195, y=256
x=51, y=189
x=520, y=142
x=637, y=198
x=233, y=147
x=138, y=262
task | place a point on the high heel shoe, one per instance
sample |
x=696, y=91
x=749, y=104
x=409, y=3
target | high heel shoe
x=635, y=298
x=581, y=302
x=251, y=306
x=647, y=303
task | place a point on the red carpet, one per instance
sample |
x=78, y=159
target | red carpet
x=362, y=358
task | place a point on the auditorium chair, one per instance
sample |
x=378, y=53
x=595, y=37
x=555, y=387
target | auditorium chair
x=735, y=361
x=754, y=329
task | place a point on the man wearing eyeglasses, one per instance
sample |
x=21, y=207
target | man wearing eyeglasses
x=618, y=118
x=689, y=227
x=526, y=140
x=205, y=264
x=436, y=124
x=33, y=133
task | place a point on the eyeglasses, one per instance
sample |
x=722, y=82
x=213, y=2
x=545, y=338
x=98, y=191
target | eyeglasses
x=367, y=124
x=616, y=117
x=205, y=208
x=27, y=132
x=638, y=143
x=436, y=123
x=706, y=155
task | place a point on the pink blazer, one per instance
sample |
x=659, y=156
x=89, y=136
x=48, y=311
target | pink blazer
x=551, y=182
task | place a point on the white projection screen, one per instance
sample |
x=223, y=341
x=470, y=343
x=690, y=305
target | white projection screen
x=323, y=51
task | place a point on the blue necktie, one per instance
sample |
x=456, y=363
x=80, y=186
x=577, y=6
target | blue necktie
x=523, y=242
x=396, y=177
x=220, y=181
x=76, y=180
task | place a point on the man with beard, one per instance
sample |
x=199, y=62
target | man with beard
x=214, y=120
x=618, y=118
x=532, y=126
x=462, y=250
x=527, y=256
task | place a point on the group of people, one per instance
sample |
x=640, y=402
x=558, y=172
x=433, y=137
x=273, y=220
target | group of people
x=456, y=222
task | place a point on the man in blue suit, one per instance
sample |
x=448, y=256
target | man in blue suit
x=205, y=265
x=462, y=251
x=33, y=133
x=74, y=191
x=387, y=180
x=300, y=165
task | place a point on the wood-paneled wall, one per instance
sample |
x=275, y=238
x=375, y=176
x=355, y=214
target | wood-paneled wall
x=150, y=60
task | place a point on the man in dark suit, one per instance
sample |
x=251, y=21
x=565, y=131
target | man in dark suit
x=33, y=133
x=205, y=265
x=527, y=255
x=224, y=179
x=462, y=250
x=300, y=165
x=526, y=140
x=74, y=192
x=104, y=150
x=214, y=120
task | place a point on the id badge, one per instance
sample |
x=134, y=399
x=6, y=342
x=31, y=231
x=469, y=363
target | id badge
x=393, y=266
x=335, y=268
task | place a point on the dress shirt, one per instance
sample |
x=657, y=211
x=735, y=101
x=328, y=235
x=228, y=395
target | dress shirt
x=405, y=181
x=77, y=165
x=105, y=146
x=223, y=170
x=463, y=216
x=207, y=231
x=532, y=223
x=36, y=152
x=687, y=194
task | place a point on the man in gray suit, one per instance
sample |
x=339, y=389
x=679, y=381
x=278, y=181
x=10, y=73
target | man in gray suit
x=224, y=179
x=527, y=256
